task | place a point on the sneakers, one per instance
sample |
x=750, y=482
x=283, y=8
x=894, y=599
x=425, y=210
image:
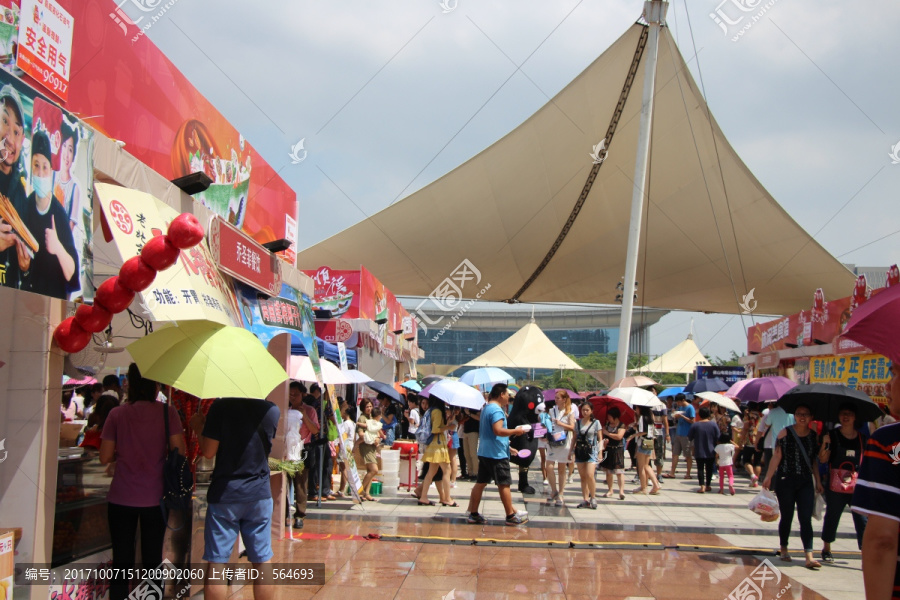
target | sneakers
x=558, y=502
x=517, y=518
x=453, y=485
x=475, y=518
x=594, y=503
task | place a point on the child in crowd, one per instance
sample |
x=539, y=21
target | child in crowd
x=374, y=426
x=725, y=458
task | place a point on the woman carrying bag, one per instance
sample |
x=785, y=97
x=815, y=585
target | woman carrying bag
x=796, y=463
x=842, y=451
x=134, y=436
x=586, y=452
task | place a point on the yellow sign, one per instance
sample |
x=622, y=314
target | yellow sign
x=191, y=289
x=869, y=373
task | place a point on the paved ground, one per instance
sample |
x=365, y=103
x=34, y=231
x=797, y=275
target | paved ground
x=679, y=544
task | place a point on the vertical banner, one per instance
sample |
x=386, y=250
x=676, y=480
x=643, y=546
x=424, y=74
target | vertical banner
x=45, y=45
x=342, y=352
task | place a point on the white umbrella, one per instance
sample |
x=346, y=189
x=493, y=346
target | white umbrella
x=300, y=367
x=634, y=396
x=455, y=393
x=719, y=399
x=486, y=376
x=356, y=376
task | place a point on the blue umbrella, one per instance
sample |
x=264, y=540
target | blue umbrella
x=716, y=384
x=486, y=376
x=386, y=389
x=672, y=391
x=413, y=385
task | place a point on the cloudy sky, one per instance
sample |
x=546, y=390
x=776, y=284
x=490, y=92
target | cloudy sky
x=389, y=96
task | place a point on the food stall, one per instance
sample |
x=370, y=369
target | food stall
x=808, y=347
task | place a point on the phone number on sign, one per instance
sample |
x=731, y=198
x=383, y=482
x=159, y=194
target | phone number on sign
x=110, y=573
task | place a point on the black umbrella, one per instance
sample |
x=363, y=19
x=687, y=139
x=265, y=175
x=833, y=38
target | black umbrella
x=386, y=389
x=716, y=384
x=824, y=401
x=431, y=379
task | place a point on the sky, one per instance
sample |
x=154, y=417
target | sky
x=389, y=96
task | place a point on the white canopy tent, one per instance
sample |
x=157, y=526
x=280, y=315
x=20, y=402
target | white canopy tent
x=541, y=222
x=528, y=348
x=683, y=358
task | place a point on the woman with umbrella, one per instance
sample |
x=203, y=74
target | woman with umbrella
x=795, y=461
x=614, y=463
x=437, y=454
x=842, y=451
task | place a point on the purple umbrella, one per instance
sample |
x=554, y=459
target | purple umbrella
x=551, y=394
x=764, y=389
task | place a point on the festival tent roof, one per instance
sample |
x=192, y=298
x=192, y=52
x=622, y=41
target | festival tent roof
x=528, y=348
x=683, y=358
x=540, y=222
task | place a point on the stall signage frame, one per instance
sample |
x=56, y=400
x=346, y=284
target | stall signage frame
x=240, y=256
x=767, y=360
x=45, y=45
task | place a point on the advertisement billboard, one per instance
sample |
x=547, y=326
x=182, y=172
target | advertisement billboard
x=46, y=183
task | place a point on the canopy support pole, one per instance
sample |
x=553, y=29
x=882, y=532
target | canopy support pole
x=654, y=14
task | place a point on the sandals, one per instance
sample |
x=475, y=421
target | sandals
x=813, y=565
x=454, y=505
x=621, y=496
x=827, y=556
x=668, y=476
x=585, y=504
x=429, y=503
x=785, y=557
x=606, y=495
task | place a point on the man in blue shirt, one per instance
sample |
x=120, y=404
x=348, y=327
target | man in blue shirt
x=493, y=457
x=684, y=415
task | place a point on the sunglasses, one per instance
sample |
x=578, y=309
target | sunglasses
x=802, y=415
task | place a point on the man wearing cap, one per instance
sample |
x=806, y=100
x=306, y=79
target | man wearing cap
x=12, y=135
x=54, y=265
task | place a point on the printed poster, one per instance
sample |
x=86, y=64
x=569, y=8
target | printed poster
x=869, y=373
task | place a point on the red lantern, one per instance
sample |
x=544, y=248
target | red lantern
x=185, y=231
x=136, y=275
x=70, y=337
x=92, y=318
x=159, y=253
x=113, y=296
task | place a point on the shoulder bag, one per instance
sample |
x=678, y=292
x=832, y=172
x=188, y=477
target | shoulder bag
x=583, y=446
x=557, y=437
x=178, y=481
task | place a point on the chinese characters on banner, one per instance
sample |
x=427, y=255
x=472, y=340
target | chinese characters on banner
x=45, y=44
x=191, y=289
x=869, y=373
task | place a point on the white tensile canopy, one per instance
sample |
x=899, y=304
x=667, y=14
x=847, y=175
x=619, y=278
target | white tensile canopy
x=711, y=232
x=683, y=358
x=528, y=348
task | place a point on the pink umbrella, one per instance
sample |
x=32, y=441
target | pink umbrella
x=736, y=387
x=876, y=323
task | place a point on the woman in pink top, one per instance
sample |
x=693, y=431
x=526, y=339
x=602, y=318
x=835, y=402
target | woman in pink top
x=134, y=437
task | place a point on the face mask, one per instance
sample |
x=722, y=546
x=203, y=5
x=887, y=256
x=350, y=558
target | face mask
x=42, y=186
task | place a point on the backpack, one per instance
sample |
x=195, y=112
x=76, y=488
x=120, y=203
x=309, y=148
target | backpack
x=423, y=433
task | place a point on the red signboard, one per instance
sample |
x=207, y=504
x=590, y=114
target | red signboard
x=45, y=44
x=337, y=330
x=241, y=257
x=768, y=360
x=129, y=91
x=337, y=292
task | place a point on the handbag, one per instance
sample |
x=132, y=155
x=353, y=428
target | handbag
x=178, y=481
x=558, y=437
x=841, y=480
x=819, y=506
x=583, y=447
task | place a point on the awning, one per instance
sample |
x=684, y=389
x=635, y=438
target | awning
x=711, y=232
x=528, y=348
x=683, y=358
x=326, y=350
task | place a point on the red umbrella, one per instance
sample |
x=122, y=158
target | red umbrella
x=876, y=323
x=602, y=404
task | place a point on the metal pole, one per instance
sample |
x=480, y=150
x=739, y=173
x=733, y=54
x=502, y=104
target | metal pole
x=654, y=14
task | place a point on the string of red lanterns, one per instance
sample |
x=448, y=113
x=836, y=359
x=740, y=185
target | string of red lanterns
x=116, y=293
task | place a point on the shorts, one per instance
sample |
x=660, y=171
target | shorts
x=493, y=468
x=454, y=441
x=592, y=459
x=751, y=456
x=660, y=448
x=644, y=451
x=681, y=445
x=224, y=520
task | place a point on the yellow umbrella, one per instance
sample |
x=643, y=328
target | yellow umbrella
x=208, y=360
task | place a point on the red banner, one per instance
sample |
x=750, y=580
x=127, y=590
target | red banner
x=238, y=255
x=337, y=292
x=127, y=89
